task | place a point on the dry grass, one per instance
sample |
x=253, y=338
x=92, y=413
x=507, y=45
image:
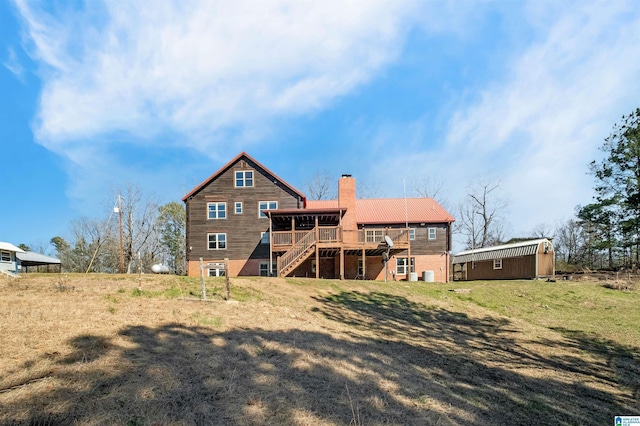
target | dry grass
x=94, y=350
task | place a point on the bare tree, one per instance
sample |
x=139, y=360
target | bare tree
x=430, y=187
x=321, y=187
x=542, y=230
x=480, y=215
x=139, y=218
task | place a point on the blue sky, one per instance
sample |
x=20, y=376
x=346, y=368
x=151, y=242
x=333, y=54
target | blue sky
x=95, y=95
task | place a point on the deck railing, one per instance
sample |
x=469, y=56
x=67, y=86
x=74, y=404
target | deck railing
x=376, y=235
x=294, y=253
x=334, y=234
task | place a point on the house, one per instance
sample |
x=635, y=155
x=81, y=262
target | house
x=263, y=226
x=522, y=260
x=8, y=261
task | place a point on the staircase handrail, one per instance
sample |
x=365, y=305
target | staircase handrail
x=297, y=250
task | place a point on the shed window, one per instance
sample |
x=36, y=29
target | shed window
x=244, y=178
x=497, y=263
x=5, y=256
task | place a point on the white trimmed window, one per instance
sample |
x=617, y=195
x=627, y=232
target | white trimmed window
x=432, y=233
x=401, y=265
x=217, y=241
x=238, y=207
x=412, y=234
x=266, y=205
x=216, y=272
x=5, y=256
x=373, y=235
x=264, y=269
x=217, y=210
x=244, y=178
x=497, y=263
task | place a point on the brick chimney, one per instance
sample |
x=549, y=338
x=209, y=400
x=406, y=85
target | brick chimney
x=347, y=200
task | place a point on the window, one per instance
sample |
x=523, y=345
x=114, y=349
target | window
x=360, y=268
x=216, y=272
x=217, y=241
x=5, y=256
x=373, y=235
x=238, y=208
x=264, y=269
x=401, y=265
x=497, y=263
x=217, y=210
x=432, y=233
x=264, y=238
x=266, y=205
x=244, y=178
x=412, y=234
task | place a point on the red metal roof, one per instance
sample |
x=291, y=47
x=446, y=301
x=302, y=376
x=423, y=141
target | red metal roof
x=392, y=210
x=231, y=163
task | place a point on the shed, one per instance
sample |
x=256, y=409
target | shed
x=36, y=262
x=522, y=260
x=8, y=261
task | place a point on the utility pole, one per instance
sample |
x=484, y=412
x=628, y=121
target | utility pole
x=121, y=251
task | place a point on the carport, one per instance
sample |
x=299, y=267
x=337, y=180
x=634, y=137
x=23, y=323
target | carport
x=36, y=262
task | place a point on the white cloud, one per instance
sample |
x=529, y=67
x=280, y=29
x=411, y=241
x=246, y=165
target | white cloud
x=541, y=126
x=13, y=64
x=201, y=68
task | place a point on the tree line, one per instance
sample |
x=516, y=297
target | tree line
x=136, y=234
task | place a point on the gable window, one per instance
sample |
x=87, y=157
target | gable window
x=217, y=210
x=497, y=263
x=402, y=264
x=244, y=178
x=217, y=241
x=432, y=233
x=5, y=256
x=238, y=208
x=266, y=205
x=412, y=234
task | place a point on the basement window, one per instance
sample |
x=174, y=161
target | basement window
x=497, y=263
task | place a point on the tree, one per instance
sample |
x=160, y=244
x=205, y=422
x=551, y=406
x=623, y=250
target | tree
x=480, y=218
x=321, y=187
x=617, y=200
x=24, y=247
x=171, y=225
x=570, y=244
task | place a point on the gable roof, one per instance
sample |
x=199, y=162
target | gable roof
x=230, y=164
x=522, y=248
x=393, y=210
x=10, y=247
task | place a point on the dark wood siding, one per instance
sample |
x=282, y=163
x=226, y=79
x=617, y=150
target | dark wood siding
x=423, y=245
x=243, y=230
x=512, y=268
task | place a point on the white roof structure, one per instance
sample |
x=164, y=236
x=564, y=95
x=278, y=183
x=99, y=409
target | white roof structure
x=10, y=247
x=32, y=258
x=522, y=248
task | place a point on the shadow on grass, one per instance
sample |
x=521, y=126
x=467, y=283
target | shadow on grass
x=399, y=362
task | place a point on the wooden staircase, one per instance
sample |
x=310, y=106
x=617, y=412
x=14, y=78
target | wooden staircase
x=297, y=254
x=9, y=273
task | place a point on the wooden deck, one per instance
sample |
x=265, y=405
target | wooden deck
x=332, y=237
